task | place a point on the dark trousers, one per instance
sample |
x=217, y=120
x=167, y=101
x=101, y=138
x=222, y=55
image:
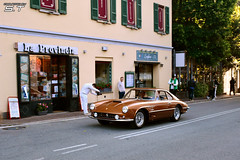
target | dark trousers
x=121, y=94
x=232, y=89
x=191, y=91
x=173, y=91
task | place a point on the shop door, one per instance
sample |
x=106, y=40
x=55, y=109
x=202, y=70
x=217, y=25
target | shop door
x=65, y=83
x=59, y=82
x=143, y=75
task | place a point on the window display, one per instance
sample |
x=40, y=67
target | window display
x=104, y=76
x=24, y=77
x=40, y=69
x=75, y=77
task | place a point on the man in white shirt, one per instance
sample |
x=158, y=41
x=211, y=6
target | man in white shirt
x=121, y=88
x=88, y=87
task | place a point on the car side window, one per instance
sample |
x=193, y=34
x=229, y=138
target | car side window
x=169, y=97
x=161, y=95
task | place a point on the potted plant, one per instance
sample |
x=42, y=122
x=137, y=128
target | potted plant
x=42, y=108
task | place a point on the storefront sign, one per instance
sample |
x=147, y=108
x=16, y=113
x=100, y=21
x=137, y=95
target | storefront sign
x=46, y=49
x=147, y=55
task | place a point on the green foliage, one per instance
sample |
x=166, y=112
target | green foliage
x=220, y=89
x=42, y=107
x=201, y=90
x=202, y=28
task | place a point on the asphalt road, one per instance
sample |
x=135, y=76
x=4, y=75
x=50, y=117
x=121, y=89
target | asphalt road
x=208, y=131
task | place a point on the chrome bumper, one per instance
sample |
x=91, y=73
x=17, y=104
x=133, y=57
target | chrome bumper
x=112, y=120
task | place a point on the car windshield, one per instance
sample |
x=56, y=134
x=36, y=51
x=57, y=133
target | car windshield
x=140, y=94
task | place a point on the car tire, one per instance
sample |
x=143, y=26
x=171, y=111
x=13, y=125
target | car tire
x=139, y=120
x=176, y=114
x=102, y=122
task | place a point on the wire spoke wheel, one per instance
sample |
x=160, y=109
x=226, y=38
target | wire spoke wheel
x=139, y=120
x=176, y=114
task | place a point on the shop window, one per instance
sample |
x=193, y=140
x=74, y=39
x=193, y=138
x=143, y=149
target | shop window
x=103, y=10
x=50, y=6
x=40, y=80
x=132, y=13
x=161, y=19
x=104, y=76
x=144, y=75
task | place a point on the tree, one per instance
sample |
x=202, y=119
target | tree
x=202, y=28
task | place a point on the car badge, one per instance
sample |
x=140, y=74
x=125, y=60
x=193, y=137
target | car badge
x=106, y=108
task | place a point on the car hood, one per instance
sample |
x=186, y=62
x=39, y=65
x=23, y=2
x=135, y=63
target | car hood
x=116, y=104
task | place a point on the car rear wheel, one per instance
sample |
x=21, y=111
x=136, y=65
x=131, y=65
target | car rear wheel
x=176, y=114
x=139, y=120
x=102, y=122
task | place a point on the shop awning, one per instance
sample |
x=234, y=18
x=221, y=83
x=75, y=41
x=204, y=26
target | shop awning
x=147, y=62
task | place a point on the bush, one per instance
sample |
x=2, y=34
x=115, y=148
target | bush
x=201, y=90
x=220, y=89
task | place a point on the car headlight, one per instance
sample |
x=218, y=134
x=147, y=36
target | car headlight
x=116, y=117
x=125, y=109
x=92, y=106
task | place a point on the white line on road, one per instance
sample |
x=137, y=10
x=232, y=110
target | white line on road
x=56, y=150
x=130, y=135
x=40, y=158
x=80, y=149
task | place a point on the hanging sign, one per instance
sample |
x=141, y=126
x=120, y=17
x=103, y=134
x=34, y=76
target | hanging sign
x=13, y=107
x=147, y=55
x=180, y=59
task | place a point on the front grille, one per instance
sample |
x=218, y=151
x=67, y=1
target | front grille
x=105, y=115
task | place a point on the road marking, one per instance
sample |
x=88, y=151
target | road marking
x=80, y=149
x=42, y=158
x=56, y=150
x=148, y=131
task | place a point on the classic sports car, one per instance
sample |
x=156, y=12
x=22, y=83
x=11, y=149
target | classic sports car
x=139, y=106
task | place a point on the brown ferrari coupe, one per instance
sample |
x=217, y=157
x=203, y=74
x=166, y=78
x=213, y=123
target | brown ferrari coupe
x=139, y=106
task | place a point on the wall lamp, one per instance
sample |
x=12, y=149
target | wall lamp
x=104, y=48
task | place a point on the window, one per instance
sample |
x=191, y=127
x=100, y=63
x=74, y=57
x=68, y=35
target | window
x=161, y=95
x=50, y=6
x=161, y=19
x=103, y=10
x=132, y=13
x=40, y=77
x=104, y=76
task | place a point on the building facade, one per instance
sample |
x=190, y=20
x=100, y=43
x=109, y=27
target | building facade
x=51, y=48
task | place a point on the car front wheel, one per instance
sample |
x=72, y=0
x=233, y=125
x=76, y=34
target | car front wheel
x=176, y=114
x=139, y=120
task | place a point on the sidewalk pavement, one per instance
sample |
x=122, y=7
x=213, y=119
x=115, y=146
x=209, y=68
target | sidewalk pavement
x=70, y=115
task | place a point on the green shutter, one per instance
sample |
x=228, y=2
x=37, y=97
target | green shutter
x=113, y=11
x=139, y=13
x=62, y=6
x=124, y=12
x=94, y=9
x=167, y=20
x=156, y=14
x=35, y=4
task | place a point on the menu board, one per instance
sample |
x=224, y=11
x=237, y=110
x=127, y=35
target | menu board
x=13, y=108
x=129, y=79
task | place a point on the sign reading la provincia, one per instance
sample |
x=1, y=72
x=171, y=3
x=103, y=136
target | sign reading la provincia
x=46, y=49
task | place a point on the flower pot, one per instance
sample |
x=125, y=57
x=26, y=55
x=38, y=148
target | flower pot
x=40, y=113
